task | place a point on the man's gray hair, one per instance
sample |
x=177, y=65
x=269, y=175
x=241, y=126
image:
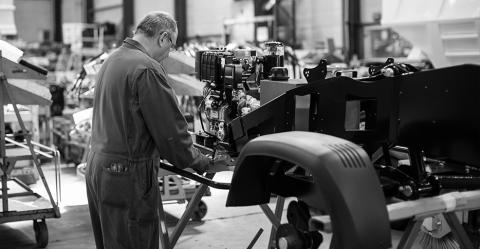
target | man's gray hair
x=155, y=23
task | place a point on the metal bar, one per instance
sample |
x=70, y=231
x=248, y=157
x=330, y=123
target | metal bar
x=26, y=147
x=254, y=240
x=3, y=81
x=23, y=194
x=128, y=17
x=192, y=176
x=4, y=192
x=458, y=231
x=192, y=204
x=2, y=141
x=23, y=185
x=58, y=185
x=278, y=215
x=410, y=234
x=164, y=241
x=294, y=29
x=270, y=215
x=44, y=146
x=27, y=215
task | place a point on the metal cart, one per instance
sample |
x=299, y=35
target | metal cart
x=19, y=202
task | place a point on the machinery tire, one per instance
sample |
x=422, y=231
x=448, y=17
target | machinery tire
x=41, y=233
x=200, y=211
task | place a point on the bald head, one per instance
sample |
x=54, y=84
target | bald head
x=154, y=23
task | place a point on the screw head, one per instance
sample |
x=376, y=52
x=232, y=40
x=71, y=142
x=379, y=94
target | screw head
x=282, y=243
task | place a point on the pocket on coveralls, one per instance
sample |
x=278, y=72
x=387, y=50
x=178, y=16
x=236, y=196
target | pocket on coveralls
x=117, y=185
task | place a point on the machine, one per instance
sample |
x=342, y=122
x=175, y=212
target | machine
x=397, y=136
x=415, y=127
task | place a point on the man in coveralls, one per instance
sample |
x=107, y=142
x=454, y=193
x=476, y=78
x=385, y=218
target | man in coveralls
x=136, y=121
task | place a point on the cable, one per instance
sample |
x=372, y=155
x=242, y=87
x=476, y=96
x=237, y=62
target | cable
x=399, y=171
x=206, y=92
x=199, y=108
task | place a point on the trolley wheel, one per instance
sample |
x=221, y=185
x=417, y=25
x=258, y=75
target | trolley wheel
x=200, y=211
x=41, y=233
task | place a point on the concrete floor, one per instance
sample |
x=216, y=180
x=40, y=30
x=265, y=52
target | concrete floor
x=222, y=227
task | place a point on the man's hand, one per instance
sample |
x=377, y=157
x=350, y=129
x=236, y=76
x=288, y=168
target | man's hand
x=221, y=162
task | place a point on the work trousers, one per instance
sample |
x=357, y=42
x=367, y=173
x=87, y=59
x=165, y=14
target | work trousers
x=123, y=197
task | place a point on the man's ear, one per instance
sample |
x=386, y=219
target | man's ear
x=159, y=40
x=162, y=38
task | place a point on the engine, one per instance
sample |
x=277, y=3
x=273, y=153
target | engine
x=232, y=87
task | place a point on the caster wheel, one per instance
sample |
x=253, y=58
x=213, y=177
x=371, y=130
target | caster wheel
x=200, y=211
x=41, y=233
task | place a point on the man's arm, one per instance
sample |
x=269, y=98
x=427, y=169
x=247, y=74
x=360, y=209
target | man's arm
x=166, y=123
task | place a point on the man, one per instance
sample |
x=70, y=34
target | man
x=136, y=121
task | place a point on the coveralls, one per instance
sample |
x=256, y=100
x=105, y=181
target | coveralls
x=136, y=121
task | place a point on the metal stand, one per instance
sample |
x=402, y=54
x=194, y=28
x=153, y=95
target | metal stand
x=169, y=241
x=275, y=219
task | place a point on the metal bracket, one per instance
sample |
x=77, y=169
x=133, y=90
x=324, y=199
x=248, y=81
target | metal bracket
x=317, y=73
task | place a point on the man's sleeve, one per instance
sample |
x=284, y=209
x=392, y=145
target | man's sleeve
x=166, y=123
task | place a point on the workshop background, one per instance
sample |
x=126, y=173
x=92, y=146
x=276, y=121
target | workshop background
x=71, y=38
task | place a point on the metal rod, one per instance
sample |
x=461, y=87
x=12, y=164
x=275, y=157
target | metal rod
x=458, y=231
x=164, y=241
x=270, y=215
x=254, y=240
x=4, y=162
x=278, y=215
x=26, y=147
x=192, y=204
x=410, y=234
x=3, y=81
x=192, y=176
x=4, y=192
x=23, y=185
x=58, y=183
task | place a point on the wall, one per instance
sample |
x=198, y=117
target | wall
x=369, y=9
x=205, y=17
x=73, y=11
x=318, y=20
x=241, y=33
x=142, y=7
x=7, y=21
x=108, y=11
x=31, y=24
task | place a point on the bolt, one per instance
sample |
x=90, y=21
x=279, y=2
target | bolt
x=406, y=190
x=282, y=243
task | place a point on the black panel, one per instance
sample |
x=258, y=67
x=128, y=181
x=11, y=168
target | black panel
x=438, y=113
